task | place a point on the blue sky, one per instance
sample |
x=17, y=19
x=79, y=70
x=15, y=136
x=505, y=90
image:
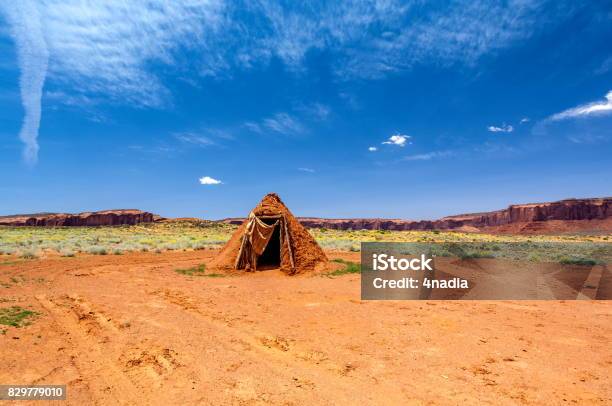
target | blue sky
x=355, y=109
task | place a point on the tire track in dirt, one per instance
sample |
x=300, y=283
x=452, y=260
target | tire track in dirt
x=279, y=353
x=107, y=382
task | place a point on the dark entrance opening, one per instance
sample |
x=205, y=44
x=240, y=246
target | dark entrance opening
x=270, y=258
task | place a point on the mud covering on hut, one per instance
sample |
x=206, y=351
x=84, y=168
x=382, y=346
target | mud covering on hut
x=271, y=237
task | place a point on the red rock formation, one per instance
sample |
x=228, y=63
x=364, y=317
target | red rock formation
x=570, y=209
x=98, y=218
x=564, y=216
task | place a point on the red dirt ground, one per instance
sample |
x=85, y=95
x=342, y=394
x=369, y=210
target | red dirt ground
x=130, y=330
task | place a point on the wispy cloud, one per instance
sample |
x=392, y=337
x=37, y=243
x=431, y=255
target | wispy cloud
x=397, y=139
x=101, y=48
x=33, y=57
x=605, y=66
x=309, y=170
x=524, y=120
x=112, y=49
x=281, y=123
x=416, y=33
x=372, y=149
x=194, y=139
x=108, y=47
x=587, y=138
x=586, y=110
x=427, y=156
x=207, y=180
x=317, y=111
x=502, y=129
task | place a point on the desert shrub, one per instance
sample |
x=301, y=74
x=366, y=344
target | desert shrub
x=476, y=254
x=16, y=316
x=7, y=251
x=29, y=254
x=534, y=257
x=97, y=250
x=171, y=246
x=200, y=270
x=67, y=253
x=349, y=267
x=578, y=261
x=117, y=251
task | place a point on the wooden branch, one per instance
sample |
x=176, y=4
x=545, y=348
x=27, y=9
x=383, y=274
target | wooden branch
x=289, y=245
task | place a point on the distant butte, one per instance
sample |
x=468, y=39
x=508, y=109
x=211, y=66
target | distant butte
x=570, y=215
x=96, y=218
x=564, y=216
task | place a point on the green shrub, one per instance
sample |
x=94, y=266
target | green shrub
x=476, y=254
x=349, y=267
x=196, y=271
x=16, y=316
x=578, y=261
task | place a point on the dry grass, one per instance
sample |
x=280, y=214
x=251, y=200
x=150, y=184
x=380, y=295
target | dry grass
x=31, y=242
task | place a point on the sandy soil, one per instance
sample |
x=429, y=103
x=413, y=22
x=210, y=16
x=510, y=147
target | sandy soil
x=129, y=330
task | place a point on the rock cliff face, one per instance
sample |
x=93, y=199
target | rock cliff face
x=564, y=215
x=567, y=210
x=98, y=218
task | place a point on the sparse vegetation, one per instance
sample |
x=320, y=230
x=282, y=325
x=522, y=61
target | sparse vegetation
x=578, y=261
x=31, y=242
x=66, y=253
x=349, y=267
x=476, y=254
x=16, y=316
x=195, y=271
x=29, y=254
x=199, y=270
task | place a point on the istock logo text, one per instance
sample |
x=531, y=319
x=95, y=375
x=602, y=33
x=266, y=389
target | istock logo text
x=385, y=262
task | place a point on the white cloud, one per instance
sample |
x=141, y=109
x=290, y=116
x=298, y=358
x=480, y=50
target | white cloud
x=397, y=139
x=372, y=149
x=586, y=110
x=207, y=180
x=503, y=129
x=33, y=56
x=309, y=170
x=524, y=120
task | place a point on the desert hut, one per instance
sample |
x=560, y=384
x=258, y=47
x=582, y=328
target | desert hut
x=270, y=237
